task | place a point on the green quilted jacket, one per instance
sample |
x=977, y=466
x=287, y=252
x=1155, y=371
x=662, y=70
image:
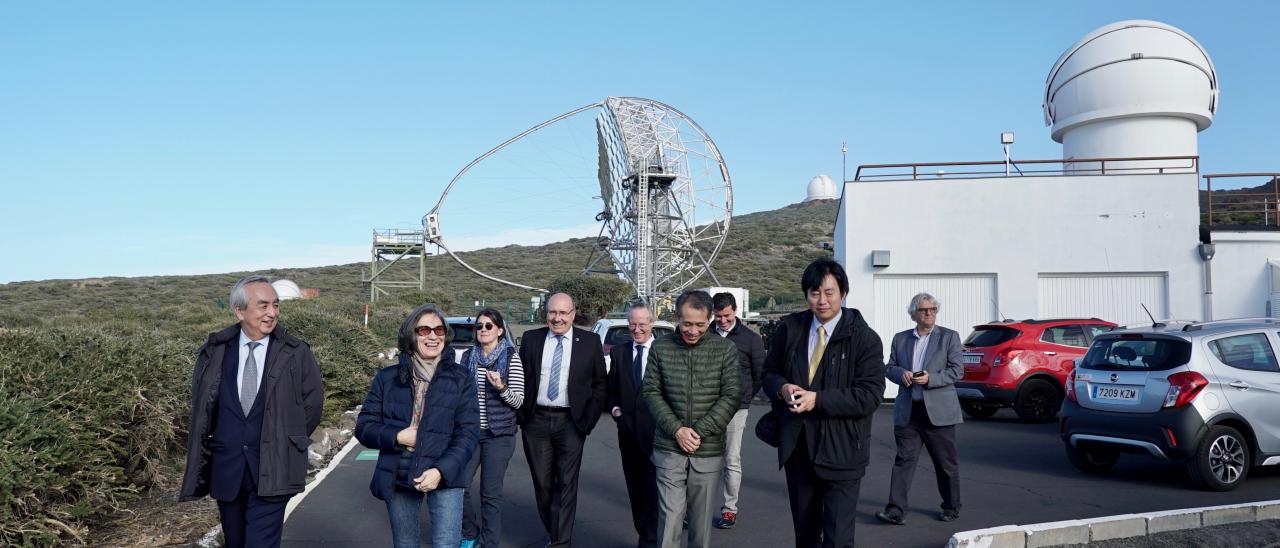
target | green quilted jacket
x=695, y=386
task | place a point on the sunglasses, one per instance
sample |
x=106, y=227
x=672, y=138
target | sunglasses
x=422, y=330
x=485, y=326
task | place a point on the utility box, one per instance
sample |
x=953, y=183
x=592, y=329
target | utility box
x=740, y=294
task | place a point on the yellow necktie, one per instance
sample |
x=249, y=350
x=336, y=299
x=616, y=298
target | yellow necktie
x=818, y=349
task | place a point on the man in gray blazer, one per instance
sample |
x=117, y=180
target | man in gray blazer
x=926, y=363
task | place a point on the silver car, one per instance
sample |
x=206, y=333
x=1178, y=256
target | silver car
x=1204, y=393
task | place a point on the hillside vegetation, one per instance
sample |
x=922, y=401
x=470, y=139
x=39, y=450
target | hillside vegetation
x=95, y=374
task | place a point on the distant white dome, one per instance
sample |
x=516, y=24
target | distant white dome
x=1133, y=88
x=822, y=188
x=286, y=290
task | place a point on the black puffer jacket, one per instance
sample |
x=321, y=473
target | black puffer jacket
x=849, y=385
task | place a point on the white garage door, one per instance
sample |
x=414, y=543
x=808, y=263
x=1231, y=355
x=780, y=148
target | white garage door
x=967, y=300
x=1108, y=296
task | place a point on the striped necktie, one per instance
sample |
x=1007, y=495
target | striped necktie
x=553, y=386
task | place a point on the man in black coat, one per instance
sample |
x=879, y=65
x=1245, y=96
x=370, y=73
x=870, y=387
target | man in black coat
x=827, y=366
x=635, y=424
x=566, y=391
x=256, y=397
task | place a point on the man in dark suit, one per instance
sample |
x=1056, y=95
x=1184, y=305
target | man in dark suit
x=635, y=424
x=826, y=365
x=564, y=371
x=253, y=387
x=925, y=361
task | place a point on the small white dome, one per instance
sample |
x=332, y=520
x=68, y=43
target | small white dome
x=821, y=188
x=286, y=290
x=1131, y=69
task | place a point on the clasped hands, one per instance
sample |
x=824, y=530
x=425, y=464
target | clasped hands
x=427, y=481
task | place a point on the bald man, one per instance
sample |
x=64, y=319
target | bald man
x=564, y=372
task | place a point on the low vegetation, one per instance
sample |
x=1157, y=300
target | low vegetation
x=95, y=374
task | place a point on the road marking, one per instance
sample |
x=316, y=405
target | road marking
x=367, y=454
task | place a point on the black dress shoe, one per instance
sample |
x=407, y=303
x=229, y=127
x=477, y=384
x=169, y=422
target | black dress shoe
x=949, y=515
x=890, y=516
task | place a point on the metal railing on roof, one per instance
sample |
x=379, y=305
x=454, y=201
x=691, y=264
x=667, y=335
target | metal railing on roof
x=1242, y=206
x=1029, y=168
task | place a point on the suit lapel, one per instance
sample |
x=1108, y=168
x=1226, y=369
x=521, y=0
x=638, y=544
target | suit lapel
x=276, y=351
x=935, y=345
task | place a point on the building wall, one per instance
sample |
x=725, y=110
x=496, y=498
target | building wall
x=1019, y=228
x=1241, y=275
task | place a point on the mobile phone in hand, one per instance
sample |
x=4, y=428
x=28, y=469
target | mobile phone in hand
x=918, y=374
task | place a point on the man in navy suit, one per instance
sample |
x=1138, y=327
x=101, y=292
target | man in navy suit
x=635, y=424
x=565, y=374
x=256, y=397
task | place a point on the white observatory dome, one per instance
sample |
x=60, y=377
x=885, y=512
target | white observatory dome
x=1129, y=89
x=821, y=188
x=286, y=290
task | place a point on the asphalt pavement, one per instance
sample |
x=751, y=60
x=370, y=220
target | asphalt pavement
x=1011, y=473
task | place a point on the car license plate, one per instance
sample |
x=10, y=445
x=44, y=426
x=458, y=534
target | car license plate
x=1120, y=393
x=973, y=358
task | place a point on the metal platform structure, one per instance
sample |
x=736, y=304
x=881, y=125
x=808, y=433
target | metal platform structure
x=398, y=261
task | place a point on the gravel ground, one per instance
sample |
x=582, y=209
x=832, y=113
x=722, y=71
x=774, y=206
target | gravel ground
x=1258, y=534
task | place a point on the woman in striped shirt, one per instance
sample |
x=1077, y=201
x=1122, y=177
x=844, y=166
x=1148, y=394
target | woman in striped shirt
x=499, y=376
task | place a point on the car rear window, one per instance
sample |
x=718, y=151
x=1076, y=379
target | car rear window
x=464, y=333
x=617, y=335
x=1128, y=354
x=990, y=335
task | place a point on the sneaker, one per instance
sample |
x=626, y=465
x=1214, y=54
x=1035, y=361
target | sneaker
x=949, y=515
x=468, y=543
x=727, y=520
x=891, y=516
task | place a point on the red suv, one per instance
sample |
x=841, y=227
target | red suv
x=1023, y=365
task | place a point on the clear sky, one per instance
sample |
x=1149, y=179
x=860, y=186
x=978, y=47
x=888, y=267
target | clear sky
x=141, y=138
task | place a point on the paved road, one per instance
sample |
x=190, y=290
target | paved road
x=1011, y=473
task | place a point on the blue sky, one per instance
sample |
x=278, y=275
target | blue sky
x=141, y=138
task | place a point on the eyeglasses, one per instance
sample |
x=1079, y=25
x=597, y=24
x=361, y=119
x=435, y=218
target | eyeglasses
x=485, y=326
x=422, y=330
x=926, y=311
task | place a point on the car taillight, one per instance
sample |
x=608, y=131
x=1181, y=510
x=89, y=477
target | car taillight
x=1071, y=386
x=1183, y=388
x=1005, y=357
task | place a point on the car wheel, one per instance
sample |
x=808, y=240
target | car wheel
x=979, y=410
x=1221, y=461
x=1094, y=461
x=1038, y=401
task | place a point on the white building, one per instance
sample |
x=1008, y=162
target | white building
x=821, y=188
x=1114, y=225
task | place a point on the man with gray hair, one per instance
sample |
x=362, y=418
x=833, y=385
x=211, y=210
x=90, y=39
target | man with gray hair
x=925, y=361
x=256, y=397
x=692, y=389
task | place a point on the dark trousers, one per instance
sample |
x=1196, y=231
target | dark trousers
x=251, y=520
x=553, y=447
x=822, y=511
x=492, y=456
x=642, y=487
x=940, y=442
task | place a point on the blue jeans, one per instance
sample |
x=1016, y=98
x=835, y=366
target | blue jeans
x=491, y=457
x=445, y=507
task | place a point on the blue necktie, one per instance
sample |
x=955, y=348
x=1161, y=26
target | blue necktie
x=639, y=365
x=553, y=389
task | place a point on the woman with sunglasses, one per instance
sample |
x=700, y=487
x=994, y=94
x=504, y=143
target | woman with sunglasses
x=421, y=416
x=499, y=377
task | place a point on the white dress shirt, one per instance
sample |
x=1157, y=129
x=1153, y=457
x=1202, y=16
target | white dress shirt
x=259, y=356
x=644, y=365
x=829, y=326
x=917, y=359
x=544, y=378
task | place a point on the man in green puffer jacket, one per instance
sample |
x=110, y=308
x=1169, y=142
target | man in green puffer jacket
x=692, y=388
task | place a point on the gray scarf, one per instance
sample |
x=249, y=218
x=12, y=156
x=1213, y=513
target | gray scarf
x=423, y=372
